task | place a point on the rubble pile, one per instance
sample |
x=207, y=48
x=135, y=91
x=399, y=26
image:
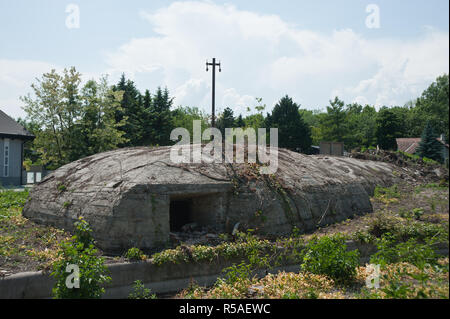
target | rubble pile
x=411, y=168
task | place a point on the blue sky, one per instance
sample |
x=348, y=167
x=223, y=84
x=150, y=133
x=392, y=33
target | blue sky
x=311, y=50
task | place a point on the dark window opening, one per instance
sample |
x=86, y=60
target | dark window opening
x=180, y=214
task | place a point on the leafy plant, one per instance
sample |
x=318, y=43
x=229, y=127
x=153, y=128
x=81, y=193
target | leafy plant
x=80, y=252
x=237, y=273
x=140, y=292
x=134, y=254
x=390, y=251
x=363, y=237
x=329, y=256
x=403, y=229
x=387, y=194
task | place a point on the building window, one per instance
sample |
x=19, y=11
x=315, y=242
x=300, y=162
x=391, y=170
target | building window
x=6, y=158
x=30, y=177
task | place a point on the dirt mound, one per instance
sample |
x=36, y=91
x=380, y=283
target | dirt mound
x=415, y=168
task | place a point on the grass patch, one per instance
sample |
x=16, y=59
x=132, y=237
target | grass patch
x=387, y=195
x=24, y=245
x=403, y=229
x=407, y=281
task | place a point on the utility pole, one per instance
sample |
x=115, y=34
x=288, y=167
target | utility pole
x=213, y=64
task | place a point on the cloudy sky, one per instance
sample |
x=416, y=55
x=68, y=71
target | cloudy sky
x=374, y=52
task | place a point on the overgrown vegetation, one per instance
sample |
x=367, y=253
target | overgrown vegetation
x=81, y=253
x=246, y=245
x=135, y=254
x=24, y=246
x=329, y=256
x=140, y=292
x=387, y=194
x=407, y=281
x=390, y=251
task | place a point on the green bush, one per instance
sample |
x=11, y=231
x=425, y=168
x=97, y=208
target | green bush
x=404, y=229
x=140, y=292
x=387, y=193
x=134, y=254
x=235, y=273
x=83, y=232
x=329, y=256
x=363, y=237
x=416, y=213
x=80, y=251
x=390, y=251
x=12, y=200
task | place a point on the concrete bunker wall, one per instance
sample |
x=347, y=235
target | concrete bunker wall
x=276, y=213
x=146, y=218
x=144, y=215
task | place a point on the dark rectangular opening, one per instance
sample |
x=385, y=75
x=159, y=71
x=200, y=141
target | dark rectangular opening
x=180, y=214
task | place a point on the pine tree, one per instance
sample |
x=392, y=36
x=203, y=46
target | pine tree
x=333, y=124
x=146, y=119
x=161, y=120
x=132, y=110
x=226, y=120
x=240, y=122
x=293, y=132
x=429, y=146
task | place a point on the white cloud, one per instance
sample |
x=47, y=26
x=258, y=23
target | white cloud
x=264, y=56
x=239, y=103
x=16, y=77
x=405, y=68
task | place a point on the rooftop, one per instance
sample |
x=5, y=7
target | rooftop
x=408, y=145
x=10, y=128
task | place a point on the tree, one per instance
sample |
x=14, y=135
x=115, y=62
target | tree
x=388, y=129
x=313, y=119
x=184, y=117
x=353, y=126
x=54, y=112
x=293, y=132
x=367, y=126
x=225, y=120
x=257, y=119
x=99, y=130
x=132, y=111
x=240, y=122
x=146, y=136
x=161, y=119
x=429, y=146
x=360, y=126
x=333, y=125
x=68, y=124
x=433, y=105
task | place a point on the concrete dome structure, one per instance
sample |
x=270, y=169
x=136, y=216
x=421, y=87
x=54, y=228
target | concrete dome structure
x=136, y=197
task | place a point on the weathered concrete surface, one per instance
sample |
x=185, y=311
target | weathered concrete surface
x=169, y=278
x=126, y=194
